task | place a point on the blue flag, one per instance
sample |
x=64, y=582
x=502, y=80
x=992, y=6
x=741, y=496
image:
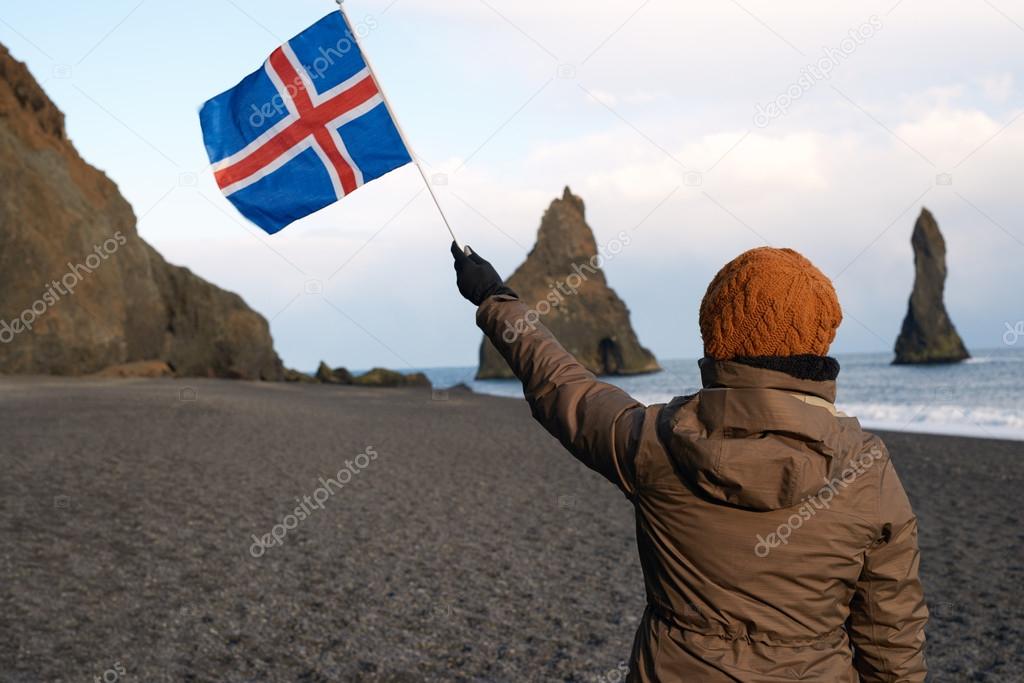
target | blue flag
x=303, y=131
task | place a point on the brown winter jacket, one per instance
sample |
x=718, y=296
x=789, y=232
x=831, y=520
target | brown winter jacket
x=776, y=540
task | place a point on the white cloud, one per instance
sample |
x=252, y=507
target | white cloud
x=998, y=88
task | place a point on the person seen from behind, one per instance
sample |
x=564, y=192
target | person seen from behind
x=776, y=540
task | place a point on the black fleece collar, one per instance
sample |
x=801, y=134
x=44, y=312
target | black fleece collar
x=815, y=368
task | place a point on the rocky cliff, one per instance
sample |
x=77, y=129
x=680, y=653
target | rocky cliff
x=79, y=289
x=562, y=282
x=928, y=335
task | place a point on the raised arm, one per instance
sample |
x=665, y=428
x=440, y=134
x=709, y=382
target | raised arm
x=888, y=612
x=597, y=422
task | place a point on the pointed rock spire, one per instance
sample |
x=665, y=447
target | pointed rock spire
x=928, y=335
x=563, y=281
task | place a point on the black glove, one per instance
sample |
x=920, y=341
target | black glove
x=475, y=277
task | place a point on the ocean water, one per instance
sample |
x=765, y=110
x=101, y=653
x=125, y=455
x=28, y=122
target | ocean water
x=983, y=396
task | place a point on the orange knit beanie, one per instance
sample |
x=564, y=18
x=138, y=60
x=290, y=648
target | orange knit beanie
x=769, y=302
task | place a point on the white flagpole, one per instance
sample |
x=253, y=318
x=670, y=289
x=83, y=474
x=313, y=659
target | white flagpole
x=401, y=133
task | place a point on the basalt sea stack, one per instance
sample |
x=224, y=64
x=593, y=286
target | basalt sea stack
x=80, y=291
x=928, y=335
x=562, y=282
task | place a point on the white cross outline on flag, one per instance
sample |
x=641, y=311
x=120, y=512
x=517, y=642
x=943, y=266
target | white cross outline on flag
x=312, y=122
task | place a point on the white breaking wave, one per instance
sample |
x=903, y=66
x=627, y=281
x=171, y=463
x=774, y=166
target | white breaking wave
x=989, y=421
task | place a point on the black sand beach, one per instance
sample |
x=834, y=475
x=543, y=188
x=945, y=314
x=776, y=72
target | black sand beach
x=471, y=548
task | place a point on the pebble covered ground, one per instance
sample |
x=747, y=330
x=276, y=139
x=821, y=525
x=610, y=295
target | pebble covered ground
x=469, y=548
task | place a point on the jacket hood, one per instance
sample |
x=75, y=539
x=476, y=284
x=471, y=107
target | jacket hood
x=757, y=438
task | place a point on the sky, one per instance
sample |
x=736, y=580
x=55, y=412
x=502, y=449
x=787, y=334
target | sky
x=701, y=129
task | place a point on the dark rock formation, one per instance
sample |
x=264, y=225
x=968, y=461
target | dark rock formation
x=325, y=375
x=380, y=377
x=928, y=335
x=562, y=282
x=377, y=377
x=79, y=289
x=300, y=377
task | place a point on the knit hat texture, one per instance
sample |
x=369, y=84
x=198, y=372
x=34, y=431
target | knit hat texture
x=769, y=302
